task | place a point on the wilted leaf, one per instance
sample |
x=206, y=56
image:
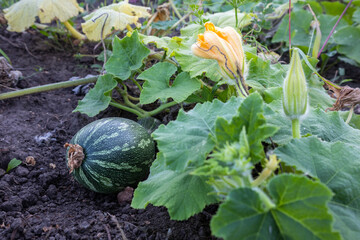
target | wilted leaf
x=21, y=15
x=113, y=17
x=346, y=97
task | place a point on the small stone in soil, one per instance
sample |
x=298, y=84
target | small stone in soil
x=125, y=196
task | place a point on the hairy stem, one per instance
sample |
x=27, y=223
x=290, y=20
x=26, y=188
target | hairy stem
x=128, y=109
x=271, y=166
x=296, y=128
x=47, y=87
x=162, y=108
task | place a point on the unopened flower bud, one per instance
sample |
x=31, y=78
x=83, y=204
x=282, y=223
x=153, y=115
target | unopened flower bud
x=295, y=93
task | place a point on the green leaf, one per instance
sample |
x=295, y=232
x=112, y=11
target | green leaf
x=337, y=166
x=128, y=54
x=300, y=29
x=328, y=126
x=262, y=74
x=250, y=116
x=13, y=164
x=225, y=19
x=186, y=140
x=181, y=193
x=166, y=43
x=336, y=8
x=157, y=84
x=345, y=38
x=300, y=212
x=327, y=22
x=356, y=16
x=98, y=98
x=197, y=66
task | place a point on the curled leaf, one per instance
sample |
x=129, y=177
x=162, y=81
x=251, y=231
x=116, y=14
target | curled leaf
x=345, y=97
x=22, y=14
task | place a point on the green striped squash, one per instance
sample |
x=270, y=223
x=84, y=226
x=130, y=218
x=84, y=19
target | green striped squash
x=117, y=153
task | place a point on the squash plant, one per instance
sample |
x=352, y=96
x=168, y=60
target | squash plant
x=273, y=177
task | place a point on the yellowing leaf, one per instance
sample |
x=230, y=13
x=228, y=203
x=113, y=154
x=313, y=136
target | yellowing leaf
x=115, y=16
x=114, y=20
x=21, y=15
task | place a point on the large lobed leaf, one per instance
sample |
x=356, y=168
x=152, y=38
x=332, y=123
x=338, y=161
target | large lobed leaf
x=338, y=166
x=157, y=84
x=21, y=15
x=186, y=140
x=345, y=38
x=128, y=55
x=98, y=98
x=300, y=212
x=250, y=115
x=181, y=193
x=114, y=16
x=328, y=126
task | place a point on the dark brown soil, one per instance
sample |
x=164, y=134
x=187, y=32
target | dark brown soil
x=43, y=201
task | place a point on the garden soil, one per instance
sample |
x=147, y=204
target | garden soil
x=40, y=199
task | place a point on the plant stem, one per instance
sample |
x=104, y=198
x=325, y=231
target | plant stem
x=124, y=95
x=177, y=23
x=350, y=114
x=128, y=109
x=175, y=9
x=137, y=84
x=265, y=200
x=236, y=17
x=296, y=128
x=159, y=56
x=75, y=33
x=290, y=28
x=271, y=166
x=333, y=29
x=162, y=107
x=47, y=87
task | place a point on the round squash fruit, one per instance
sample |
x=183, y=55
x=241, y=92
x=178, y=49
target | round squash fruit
x=110, y=154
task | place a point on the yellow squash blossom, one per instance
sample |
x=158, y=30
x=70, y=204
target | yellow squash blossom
x=223, y=45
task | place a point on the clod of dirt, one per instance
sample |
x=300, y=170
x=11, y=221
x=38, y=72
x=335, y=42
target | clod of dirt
x=125, y=196
x=8, y=76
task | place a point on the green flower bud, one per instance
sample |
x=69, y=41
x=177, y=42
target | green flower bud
x=295, y=93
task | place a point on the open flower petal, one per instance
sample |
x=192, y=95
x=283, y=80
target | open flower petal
x=223, y=45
